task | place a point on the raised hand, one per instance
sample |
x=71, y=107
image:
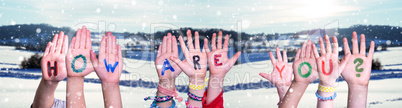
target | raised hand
x=110, y=63
x=329, y=67
x=358, y=67
x=167, y=70
x=78, y=56
x=281, y=75
x=304, y=66
x=218, y=61
x=195, y=63
x=53, y=62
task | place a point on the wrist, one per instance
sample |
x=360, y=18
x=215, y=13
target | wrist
x=358, y=87
x=167, y=83
x=197, y=81
x=327, y=83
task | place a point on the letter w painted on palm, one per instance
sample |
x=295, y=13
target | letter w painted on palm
x=109, y=66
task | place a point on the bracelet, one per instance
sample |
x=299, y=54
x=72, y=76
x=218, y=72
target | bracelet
x=194, y=97
x=159, y=99
x=153, y=105
x=326, y=89
x=325, y=98
x=198, y=87
x=189, y=106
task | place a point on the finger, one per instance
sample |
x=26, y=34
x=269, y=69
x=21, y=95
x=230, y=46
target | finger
x=49, y=44
x=312, y=54
x=164, y=43
x=346, y=48
x=297, y=57
x=159, y=51
x=54, y=43
x=206, y=48
x=190, y=41
x=60, y=41
x=78, y=38
x=308, y=49
x=303, y=51
x=88, y=40
x=102, y=49
x=266, y=76
x=355, y=43
x=174, y=46
x=94, y=59
x=65, y=45
x=278, y=54
x=179, y=63
x=335, y=45
x=108, y=43
x=183, y=46
x=72, y=44
x=328, y=43
x=120, y=57
x=371, y=51
x=226, y=43
x=322, y=47
x=169, y=43
x=83, y=37
x=114, y=45
x=219, y=46
x=315, y=51
x=273, y=60
x=213, y=42
x=344, y=62
x=233, y=60
x=363, y=45
x=197, y=41
x=285, y=57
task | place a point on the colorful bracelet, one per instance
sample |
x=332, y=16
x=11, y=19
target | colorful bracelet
x=326, y=89
x=194, y=97
x=189, y=106
x=198, y=87
x=153, y=105
x=159, y=99
x=325, y=98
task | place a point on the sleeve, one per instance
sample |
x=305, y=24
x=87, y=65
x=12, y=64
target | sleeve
x=59, y=103
x=216, y=103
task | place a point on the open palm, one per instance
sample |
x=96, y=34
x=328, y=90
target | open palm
x=281, y=75
x=304, y=66
x=53, y=62
x=358, y=67
x=166, y=50
x=78, y=56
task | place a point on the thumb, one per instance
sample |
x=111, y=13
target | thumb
x=94, y=59
x=178, y=62
x=266, y=76
x=233, y=60
x=344, y=61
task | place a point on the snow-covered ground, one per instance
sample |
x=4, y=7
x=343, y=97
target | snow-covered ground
x=17, y=92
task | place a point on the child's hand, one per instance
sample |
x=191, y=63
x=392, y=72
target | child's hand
x=110, y=63
x=167, y=70
x=304, y=66
x=53, y=62
x=78, y=56
x=195, y=64
x=329, y=67
x=358, y=67
x=218, y=61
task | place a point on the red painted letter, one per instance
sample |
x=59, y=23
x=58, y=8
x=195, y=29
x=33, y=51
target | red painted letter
x=331, y=67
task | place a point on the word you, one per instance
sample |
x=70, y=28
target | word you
x=216, y=59
x=83, y=66
x=359, y=62
x=309, y=69
x=49, y=68
x=166, y=66
x=109, y=66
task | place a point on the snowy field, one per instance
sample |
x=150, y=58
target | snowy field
x=17, y=92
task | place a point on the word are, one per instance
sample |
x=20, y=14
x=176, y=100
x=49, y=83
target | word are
x=109, y=66
x=359, y=62
x=280, y=70
x=196, y=60
x=331, y=67
x=166, y=66
x=309, y=69
x=216, y=59
x=49, y=68
x=84, y=65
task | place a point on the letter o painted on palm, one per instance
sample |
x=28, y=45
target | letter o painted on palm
x=309, y=69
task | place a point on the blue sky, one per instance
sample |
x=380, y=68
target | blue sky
x=256, y=16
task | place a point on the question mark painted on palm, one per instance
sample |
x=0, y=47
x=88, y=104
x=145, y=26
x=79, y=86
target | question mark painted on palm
x=359, y=62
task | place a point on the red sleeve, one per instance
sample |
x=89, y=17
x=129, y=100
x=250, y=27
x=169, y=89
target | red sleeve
x=216, y=103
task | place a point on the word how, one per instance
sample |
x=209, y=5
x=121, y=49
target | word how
x=83, y=66
x=109, y=66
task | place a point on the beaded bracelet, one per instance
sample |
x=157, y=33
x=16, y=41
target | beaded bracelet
x=194, y=97
x=326, y=89
x=153, y=105
x=159, y=99
x=189, y=106
x=198, y=87
x=325, y=98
